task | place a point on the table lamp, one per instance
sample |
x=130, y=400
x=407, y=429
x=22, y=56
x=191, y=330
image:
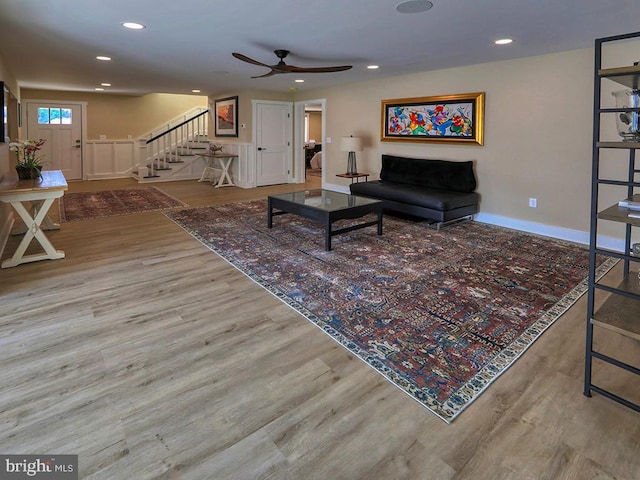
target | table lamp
x=352, y=145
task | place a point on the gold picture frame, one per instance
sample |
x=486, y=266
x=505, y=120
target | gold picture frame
x=457, y=119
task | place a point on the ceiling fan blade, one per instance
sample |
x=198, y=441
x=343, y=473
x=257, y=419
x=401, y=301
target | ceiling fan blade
x=272, y=72
x=341, y=68
x=282, y=67
x=244, y=58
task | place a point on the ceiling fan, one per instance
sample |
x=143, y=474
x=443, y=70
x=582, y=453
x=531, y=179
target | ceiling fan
x=282, y=67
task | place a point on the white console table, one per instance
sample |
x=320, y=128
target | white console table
x=39, y=195
x=224, y=162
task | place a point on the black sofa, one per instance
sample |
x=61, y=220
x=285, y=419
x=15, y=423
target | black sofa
x=437, y=190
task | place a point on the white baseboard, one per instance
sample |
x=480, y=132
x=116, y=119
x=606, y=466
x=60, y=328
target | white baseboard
x=554, y=231
x=107, y=176
x=562, y=233
x=336, y=188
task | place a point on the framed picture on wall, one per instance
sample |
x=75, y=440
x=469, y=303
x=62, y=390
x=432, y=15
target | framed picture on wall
x=455, y=118
x=226, y=117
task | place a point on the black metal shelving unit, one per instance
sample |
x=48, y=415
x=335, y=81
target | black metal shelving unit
x=620, y=312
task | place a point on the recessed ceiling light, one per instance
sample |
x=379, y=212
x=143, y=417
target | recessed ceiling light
x=414, y=6
x=373, y=67
x=105, y=84
x=195, y=91
x=503, y=41
x=299, y=81
x=103, y=58
x=99, y=89
x=133, y=25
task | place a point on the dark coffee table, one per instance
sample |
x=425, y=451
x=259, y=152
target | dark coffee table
x=326, y=207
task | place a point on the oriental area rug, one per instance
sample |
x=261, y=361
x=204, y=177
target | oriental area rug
x=107, y=203
x=440, y=314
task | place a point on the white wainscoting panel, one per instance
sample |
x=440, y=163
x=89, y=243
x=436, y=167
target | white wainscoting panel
x=110, y=158
x=243, y=168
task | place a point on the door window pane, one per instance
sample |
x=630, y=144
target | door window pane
x=65, y=116
x=43, y=116
x=54, y=116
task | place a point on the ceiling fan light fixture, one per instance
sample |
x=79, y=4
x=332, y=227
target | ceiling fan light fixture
x=414, y=6
x=373, y=67
x=103, y=58
x=503, y=41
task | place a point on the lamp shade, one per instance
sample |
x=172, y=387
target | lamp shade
x=350, y=144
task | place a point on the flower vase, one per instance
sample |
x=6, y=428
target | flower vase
x=27, y=173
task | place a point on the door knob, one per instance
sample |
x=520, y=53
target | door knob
x=260, y=149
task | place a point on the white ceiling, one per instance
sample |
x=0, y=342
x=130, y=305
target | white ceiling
x=52, y=44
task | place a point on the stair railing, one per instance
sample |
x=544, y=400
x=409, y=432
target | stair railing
x=167, y=147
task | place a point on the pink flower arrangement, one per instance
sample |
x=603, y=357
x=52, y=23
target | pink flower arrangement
x=27, y=152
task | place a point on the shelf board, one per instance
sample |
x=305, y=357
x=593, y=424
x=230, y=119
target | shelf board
x=626, y=145
x=619, y=313
x=621, y=214
x=627, y=76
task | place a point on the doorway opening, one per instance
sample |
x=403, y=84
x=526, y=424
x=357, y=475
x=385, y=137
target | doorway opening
x=311, y=125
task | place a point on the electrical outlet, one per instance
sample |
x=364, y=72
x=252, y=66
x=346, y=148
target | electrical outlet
x=533, y=202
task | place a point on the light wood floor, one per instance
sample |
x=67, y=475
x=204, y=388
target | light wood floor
x=152, y=358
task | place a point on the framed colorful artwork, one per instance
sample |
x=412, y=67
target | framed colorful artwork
x=226, y=117
x=448, y=119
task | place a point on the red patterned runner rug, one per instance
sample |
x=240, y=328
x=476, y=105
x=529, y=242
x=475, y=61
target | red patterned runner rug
x=440, y=314
x=107, y=203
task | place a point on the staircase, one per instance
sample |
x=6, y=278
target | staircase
x=172, y=153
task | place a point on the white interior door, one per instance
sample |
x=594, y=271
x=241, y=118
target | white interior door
x=61, y=126
x=273, y=135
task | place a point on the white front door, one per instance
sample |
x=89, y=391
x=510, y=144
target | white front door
x=60, y=124
x=273, y=136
